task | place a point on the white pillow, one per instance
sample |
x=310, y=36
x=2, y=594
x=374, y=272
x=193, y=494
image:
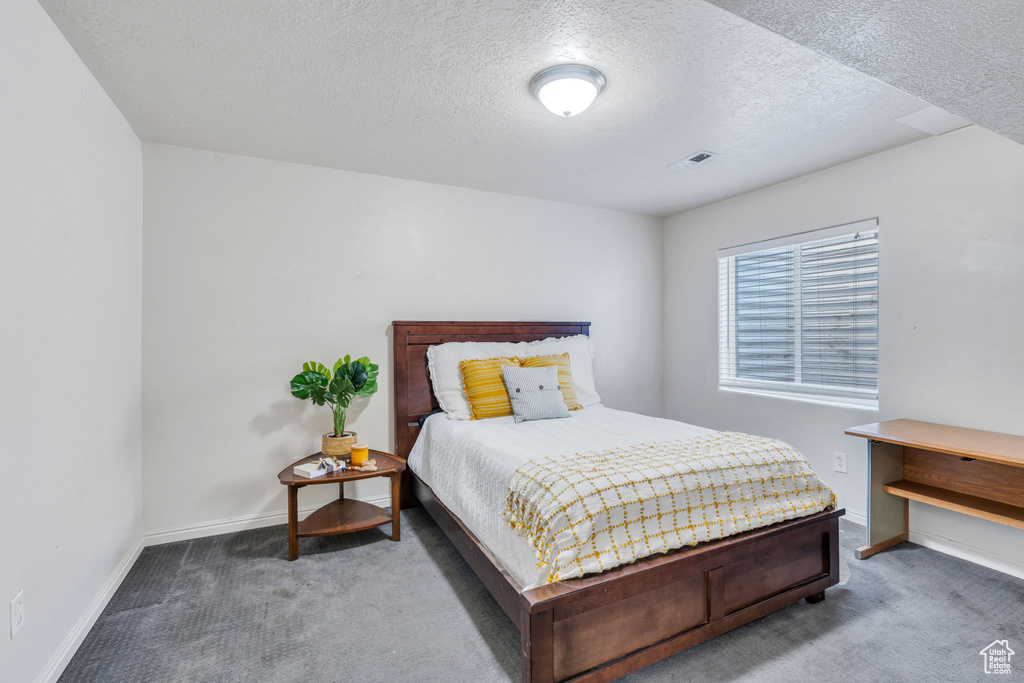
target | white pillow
x=581, y=352
x=446, y=376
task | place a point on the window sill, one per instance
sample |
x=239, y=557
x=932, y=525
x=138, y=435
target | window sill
x=855, y=404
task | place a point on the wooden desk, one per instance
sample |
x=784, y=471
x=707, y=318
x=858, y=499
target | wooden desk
x=974, y=472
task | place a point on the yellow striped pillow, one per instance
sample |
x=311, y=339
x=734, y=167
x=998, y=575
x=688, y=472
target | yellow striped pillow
x=564, y=375
x=485, y=387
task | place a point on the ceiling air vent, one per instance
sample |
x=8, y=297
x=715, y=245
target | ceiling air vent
x=692, y=160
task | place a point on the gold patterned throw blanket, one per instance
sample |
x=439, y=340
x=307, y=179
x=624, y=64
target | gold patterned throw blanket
x=589, y=512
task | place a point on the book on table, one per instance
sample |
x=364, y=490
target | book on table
x=318, y=468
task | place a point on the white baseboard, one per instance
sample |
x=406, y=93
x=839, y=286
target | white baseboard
x=955, y=548
x=240, y=523
x=74, y=639
x=967, y=552
x=856, y=516
x=81, y=629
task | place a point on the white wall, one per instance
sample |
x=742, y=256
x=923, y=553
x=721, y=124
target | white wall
x=70, y=316
x=951, y=231
x=253, y=266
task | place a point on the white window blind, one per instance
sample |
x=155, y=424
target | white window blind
x=799, y=315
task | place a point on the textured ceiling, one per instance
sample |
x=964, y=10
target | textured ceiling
x=966, y=56
x=438, y=91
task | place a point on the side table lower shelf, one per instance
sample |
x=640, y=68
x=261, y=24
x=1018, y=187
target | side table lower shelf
x=343, y=516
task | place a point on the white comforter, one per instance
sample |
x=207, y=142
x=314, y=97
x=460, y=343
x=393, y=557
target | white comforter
x=469, y=464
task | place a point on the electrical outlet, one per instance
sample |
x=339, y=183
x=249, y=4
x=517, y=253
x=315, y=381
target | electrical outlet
x=17, y=614
x=839, y=462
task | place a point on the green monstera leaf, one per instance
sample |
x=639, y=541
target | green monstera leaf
x=341, y=363
x=313, y=366
x=357, y=373
x=341, y=387
x=312, y=385
x=369, y=386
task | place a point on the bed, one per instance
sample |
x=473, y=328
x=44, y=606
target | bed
x=599, y=627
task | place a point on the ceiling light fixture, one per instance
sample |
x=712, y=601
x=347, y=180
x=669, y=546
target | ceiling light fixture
x=567, y=89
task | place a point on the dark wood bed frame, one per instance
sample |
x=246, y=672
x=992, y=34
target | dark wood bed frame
x=601, y=627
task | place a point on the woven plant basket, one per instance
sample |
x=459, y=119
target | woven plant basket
x=333, y=445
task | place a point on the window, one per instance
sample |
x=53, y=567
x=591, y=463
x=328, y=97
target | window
x=799, y=315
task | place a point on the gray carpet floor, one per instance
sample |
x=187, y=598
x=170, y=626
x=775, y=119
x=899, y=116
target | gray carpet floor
x=362, y=608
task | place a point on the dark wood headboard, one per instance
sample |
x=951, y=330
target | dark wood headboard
x=414, y=397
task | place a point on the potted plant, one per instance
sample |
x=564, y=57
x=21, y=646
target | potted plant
x=349, y=379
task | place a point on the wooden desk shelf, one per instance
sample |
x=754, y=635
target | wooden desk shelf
x=951, y=500
x=967, y=470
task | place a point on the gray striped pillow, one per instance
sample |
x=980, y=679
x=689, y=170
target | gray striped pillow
x=534, y=393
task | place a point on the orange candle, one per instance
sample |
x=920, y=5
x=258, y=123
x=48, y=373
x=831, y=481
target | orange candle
x=360, y=452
